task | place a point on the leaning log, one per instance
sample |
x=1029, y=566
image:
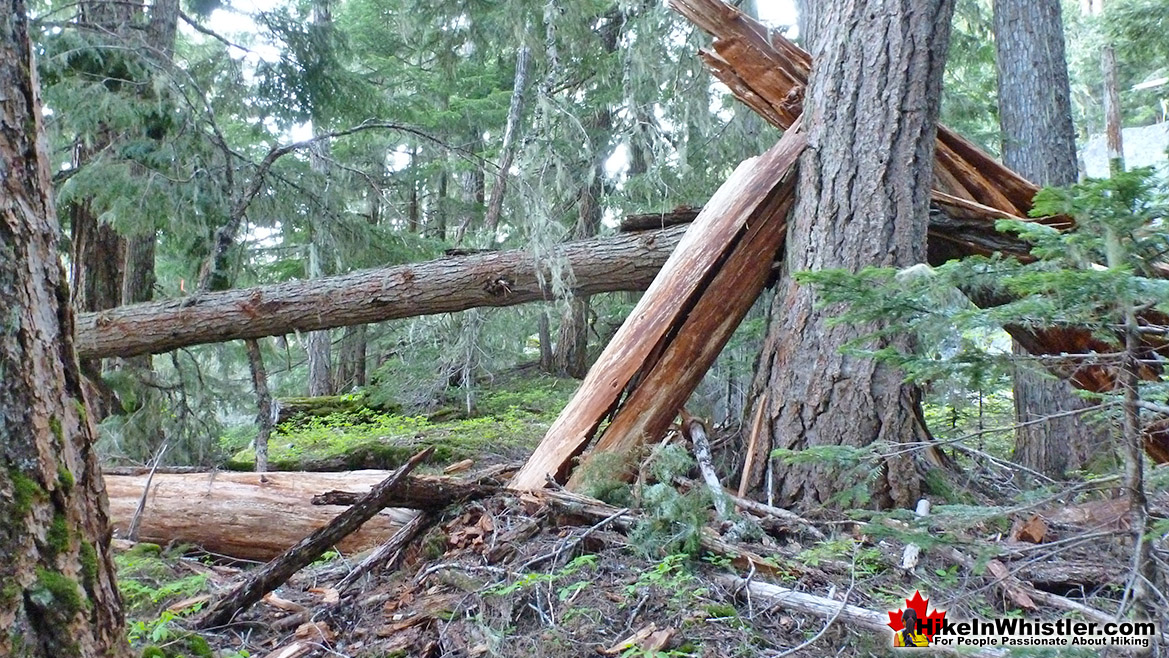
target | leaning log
x=677, y=330
x=502, y=278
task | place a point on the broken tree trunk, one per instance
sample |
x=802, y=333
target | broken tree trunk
x=237, y=515
x=769, y=73
x=682, y=322
x=501, y=278
x=280, y=569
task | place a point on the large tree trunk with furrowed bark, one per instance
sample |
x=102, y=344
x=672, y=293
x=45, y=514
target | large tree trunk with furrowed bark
x=1039, y=142
x=58, y=597
x=862, y=199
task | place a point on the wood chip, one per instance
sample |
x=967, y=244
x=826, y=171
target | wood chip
x=1008, y=583
x=1033, y=530
x=328, y=595
x=459, y=467
x=316, y=631
x=282, y=603
x=294, y=650
x=649, y=639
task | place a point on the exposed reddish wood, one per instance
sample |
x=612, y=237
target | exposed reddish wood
x=502, y=278
x=973, y=190
x=686, y=316
x=768, y=73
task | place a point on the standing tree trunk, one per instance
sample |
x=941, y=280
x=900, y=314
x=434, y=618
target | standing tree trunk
x=1039, y=142
x=265, y=419
x=871, y=112
x=320, y=345
x=58, y=599
x=508, y=149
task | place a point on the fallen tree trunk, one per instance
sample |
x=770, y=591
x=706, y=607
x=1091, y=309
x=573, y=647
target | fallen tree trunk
x=504, y=278
x=237, y=515
x=498, y=278
x=308, y=549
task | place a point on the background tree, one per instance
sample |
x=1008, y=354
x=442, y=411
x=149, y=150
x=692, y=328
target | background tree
x=1039, y=142
x=862, y=200
x=59, y=597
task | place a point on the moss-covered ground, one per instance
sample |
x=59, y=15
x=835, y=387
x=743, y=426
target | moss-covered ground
x=506, y=422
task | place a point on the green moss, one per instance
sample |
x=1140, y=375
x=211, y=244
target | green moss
x=82, y=413
x=26, y=491
x=55, y=591
x=199, y=647
x=153, y=652
x=9, y=595
x=55, y=426
x=65, y=478
x=88, y=564
x=57, y=538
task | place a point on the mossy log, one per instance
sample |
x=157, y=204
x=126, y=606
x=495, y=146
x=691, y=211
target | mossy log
x=286, y=409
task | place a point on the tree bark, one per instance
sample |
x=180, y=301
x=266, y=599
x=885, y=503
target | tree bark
x=446, y=285
x=58, y=597
x=264, y=416
x=862, y=200
x=242, y=515
x=508, y=149
x=1039, y=142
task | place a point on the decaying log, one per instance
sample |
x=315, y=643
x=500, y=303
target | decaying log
x=280, y=569
x=499, y=278
x=682, y=322
x=386, y=551
x=237, y=515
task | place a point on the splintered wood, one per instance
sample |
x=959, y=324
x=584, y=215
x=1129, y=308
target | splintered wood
x=682, y=322
x=972, y=191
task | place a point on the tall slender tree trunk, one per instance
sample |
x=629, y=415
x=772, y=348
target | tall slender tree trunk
x=1039, y=141
x=862, y=199
x=58, y=598
x=320, y=345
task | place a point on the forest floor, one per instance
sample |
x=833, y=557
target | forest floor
x=509, y=575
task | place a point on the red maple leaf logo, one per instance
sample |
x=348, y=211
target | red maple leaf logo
x=930, y=622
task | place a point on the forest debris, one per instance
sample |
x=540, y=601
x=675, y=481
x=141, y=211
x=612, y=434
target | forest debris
x=684, y=319
x=273, y=574
x=329, y=595
x=1046, y=598
x=1032, y=531
x=187, y=603
x=317, y=631
x=695, y=430
x=912, y=552
x=387, y=551
x=293, y=650
x=458, y=467
x=281, y=603
x=1012, y=586
x=1112, y=512
x=827, y=608
x=649, y=639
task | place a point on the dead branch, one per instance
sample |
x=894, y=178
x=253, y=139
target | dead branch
x=273, y=574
